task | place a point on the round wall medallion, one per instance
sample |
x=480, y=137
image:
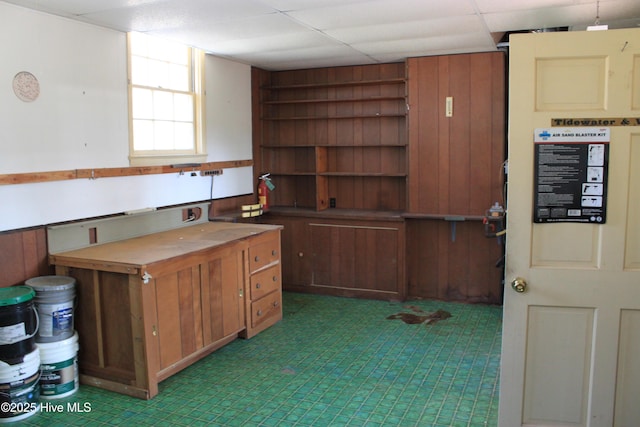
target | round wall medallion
x=26, y=86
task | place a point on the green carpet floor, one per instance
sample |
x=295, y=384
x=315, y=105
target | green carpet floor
x=330, y=362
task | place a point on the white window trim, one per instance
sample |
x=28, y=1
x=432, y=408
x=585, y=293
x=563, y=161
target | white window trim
x=172, y=157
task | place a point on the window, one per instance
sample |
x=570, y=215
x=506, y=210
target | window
x=166, y=102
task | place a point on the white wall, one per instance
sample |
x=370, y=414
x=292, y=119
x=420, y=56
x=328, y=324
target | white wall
x=80, y=121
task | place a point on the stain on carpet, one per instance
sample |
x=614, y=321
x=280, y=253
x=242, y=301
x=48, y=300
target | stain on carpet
x=421, y=317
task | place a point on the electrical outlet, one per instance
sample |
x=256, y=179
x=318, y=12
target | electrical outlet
x=211, y=172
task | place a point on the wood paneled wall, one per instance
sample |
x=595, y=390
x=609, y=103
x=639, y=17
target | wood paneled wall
x=455, y=172
x=23, y=255
x=464, y=269
x=455, y=163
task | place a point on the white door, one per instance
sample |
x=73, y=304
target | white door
x=571, y=341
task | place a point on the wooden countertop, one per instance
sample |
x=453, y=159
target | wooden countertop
x=156, y=247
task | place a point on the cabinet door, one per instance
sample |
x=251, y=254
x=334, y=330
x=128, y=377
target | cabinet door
x=222, y=296
x=179, y=316
x=199, y=305
x=296, y=250
x=360, y=258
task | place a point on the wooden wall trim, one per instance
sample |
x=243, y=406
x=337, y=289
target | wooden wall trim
x=33, y=177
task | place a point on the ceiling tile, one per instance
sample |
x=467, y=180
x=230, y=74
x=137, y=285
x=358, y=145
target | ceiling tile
x=290, y=5
x=428, y=44
x=148, y=16
x=380, y=12
x=409, y=30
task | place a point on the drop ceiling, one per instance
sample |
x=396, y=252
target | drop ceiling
x=291, y=34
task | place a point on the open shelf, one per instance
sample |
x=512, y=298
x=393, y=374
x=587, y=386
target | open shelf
x=335, y=136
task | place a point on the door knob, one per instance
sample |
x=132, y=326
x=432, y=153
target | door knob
x=519, y=285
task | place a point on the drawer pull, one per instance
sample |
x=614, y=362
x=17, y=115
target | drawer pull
x=275, y=303
x=257, y=258
x=257, y=285
x=259, y=313
x=274, y=252
x=275, y=278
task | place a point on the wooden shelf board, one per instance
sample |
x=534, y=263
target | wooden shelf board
x=33, y=177
x=331, y=100
x=364, y=116
x=292, y=173
x=337, y=213
x=399, y=80
x=364, y=174
x=288, y=146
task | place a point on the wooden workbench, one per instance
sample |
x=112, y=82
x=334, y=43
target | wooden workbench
x=150, y=306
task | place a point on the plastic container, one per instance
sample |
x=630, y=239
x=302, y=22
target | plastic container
x=20, y=388
x=54, y=301
x=18, y=323
x=59, y=368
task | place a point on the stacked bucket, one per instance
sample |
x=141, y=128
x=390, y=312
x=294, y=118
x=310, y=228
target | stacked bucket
x=39, y=346
x=19, y=355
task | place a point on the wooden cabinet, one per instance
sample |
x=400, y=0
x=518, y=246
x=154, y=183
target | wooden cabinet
x=333, y=137
x=343, y=253
x=264, y=299
x=150, y=306
x=335, y=143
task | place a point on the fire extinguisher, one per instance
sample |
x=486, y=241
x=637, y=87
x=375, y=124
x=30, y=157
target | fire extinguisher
x=264, y=186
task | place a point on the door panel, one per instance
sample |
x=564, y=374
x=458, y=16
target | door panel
x=568, y=346
x=632, y=252
x=574, y=245
x=554, y=94
x=628, y=389
x=559, y=337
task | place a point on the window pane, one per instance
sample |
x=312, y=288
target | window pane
x=142, y=103
x=139, y=70
x=179, y=77
x=138, y=43
x=142, y=135
x=183, y=107
x=158, y=74
x=162, y=105
x=163, y=135
x=184, y=136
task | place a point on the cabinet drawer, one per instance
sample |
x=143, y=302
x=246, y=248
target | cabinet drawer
x=265, y=282
x=263, y=254
x=267, y=308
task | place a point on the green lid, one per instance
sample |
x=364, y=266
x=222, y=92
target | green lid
x=16, y=295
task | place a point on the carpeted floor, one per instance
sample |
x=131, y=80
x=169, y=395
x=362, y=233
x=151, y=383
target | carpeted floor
x=330, y=362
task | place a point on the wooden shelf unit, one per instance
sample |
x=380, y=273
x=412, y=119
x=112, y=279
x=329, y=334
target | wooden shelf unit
x=334, y=137
x=356, y=149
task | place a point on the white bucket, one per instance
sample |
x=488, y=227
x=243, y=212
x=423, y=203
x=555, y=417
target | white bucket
x=59, y=368
x=54, y=300
x=20, y=388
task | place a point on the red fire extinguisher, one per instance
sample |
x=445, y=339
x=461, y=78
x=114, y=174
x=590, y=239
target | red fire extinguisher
x=263, y=191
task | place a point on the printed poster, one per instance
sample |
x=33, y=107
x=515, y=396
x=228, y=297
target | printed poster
x=571, y=175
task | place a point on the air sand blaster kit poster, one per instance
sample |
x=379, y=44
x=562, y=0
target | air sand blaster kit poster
x=570, y=182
